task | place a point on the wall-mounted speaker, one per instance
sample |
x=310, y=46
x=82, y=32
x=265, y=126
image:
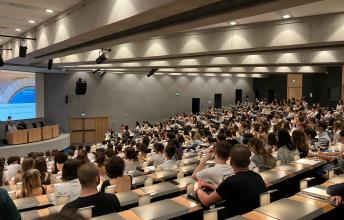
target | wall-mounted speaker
x=50, y=64
x=22, y=51
x=81, y=87
x=66, y=99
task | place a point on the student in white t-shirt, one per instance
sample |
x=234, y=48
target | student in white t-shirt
x=158, y=158
x=216, y=173
x=169, y=163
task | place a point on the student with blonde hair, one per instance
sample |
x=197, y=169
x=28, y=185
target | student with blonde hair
x=32, y=184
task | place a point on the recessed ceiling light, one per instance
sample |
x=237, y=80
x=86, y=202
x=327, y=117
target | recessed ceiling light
x=31, y=21
x=18, y=29
x=286, y=16
x=0, y=39
x=233, y=23
x=49, y=11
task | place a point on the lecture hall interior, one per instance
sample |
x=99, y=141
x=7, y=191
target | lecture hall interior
x=171, y=109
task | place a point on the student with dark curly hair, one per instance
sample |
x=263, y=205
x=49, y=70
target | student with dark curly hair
x=115, y=169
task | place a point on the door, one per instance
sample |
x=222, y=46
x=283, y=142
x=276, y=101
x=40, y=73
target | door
x=196, y=105
x=256, y=94
x=238, y=95
x=218, y=100
x=271, y=95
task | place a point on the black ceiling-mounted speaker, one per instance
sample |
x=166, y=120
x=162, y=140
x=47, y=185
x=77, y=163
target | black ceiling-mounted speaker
x=152, y=72
x=101, y=59
x=50, y=64
x=81, y=87
x=1, y=61
x=22, y=51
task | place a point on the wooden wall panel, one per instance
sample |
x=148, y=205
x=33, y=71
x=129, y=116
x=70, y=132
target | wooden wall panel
x=90, y=124
x=90, y=137
x=76, y=137
x=102, y=127
x=294, y=88
x=76, y=124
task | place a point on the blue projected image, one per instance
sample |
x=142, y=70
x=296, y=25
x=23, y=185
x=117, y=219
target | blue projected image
x=17, y=95
x=26, y=95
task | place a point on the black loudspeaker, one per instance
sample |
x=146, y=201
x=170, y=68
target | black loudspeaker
x=81, y=87
x=152, y=72
x=67, y=99
x=22, y=51
x=50, y=64
x=1, y=61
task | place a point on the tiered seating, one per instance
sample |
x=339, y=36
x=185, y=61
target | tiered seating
x=180, y=205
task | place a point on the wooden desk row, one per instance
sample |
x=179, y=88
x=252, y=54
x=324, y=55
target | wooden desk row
x=33, y=134
x=179, y=185
x=300, y=206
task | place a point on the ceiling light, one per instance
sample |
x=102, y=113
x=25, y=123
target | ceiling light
x=31, y=21
x=0, y=39
x=286, y=16
x=49, y=11
x=233, y=23
x=18, y=29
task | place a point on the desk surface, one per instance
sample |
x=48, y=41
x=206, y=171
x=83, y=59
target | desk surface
x=160, y=189
x=32, y=202
x=289, y=209
x=29, y=215
x=164, y=209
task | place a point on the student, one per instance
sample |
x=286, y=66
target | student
x=65, y=215
x=32, y=184
x=90, y=155
x=59, y=160
x=26, y=165
x=216, y=173
x=299, y=140
x=262, y=158
x=70, y=186
x=8, y=209
x=13, y=167
x=169, y=163
x=286, y=150
x=337, y=193
x=41, y=165
x=100, y=160
x=157, y=158
x=103, y=203
x=115, y=169
x=131, y=160
x=323, y=138
x=241, y=191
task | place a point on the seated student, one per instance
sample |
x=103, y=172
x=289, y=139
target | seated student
x=90, y=155
x=13, y=167
x=262, y=158
x=286, y=150
x=337, y=193
x=100, y=160
x=41, y=165
x=8, y=209
x=157, y=158
x=241, y=191
x=70, y=186
x=323, y=139
x=169, y=163
x=115, y=169
x=32, y=184
x=65, y=215
x=26, y=165
x=59, y=160
x=131, y=160
x=103, y=203
x=216, y=173
x=300, y=141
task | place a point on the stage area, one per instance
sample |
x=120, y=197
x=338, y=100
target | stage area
x=22, y=150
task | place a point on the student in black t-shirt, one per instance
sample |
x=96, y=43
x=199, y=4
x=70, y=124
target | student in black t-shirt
x=240, y=191
x=103, y=203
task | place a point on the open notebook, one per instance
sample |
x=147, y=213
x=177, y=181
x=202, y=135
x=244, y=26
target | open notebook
x=316, y=191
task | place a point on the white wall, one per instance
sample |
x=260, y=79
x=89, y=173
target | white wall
x=126, y=98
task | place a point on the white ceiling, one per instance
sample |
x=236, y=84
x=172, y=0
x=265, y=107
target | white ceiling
x=317, y=8
x=16, y=14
